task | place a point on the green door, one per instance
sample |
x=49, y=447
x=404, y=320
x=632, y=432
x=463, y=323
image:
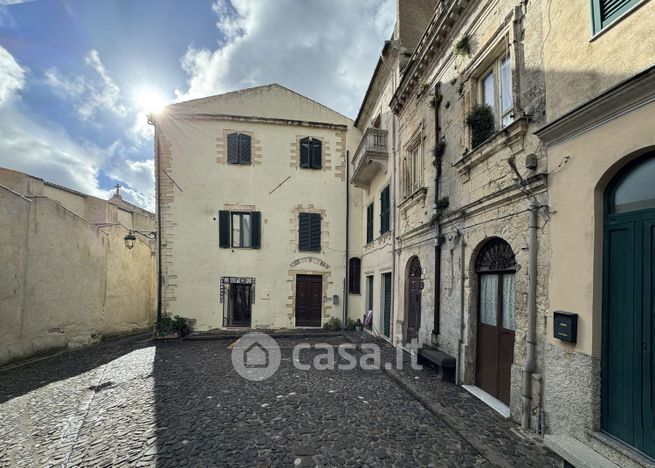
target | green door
x=386, y=326
x=628, y=387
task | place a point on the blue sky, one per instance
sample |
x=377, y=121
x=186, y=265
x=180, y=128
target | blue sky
x=77, y=76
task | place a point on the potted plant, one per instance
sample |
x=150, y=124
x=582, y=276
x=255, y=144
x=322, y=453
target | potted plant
x=358, y=325
x=172, y=327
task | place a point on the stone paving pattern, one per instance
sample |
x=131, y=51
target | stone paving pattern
x=141, y=403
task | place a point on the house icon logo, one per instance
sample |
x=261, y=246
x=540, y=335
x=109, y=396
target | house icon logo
x=256, y=356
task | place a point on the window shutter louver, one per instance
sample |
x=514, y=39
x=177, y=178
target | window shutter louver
x=304, y=153
x=244, y=148
x=255, y=229
x=384, y=211
x=224, y=229
x=606, y=11
x=303, y=231
x=316, y=153
x=369, y=223
x=233, y=148
x=354, y=276
x=316, y=232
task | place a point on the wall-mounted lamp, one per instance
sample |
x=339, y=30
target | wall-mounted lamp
x=130, y=238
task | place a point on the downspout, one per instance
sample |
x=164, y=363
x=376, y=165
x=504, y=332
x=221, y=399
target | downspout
x=462, y=282
x=346, y=288
x=437, y=245
x=159, y=224
x=530, y=363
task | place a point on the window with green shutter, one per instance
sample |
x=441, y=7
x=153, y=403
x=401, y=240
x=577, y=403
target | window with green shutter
x=309, y=232
x=239, y=230
x=605, y=12
x=238, y=148
x=369, y=223
x=310, y=153
x=385, y=211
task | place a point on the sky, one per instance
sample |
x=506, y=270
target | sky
x=78, y=77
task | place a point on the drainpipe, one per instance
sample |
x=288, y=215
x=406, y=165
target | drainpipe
x=460, y=342
x=159, y=226
x=394, y=279
x=347, y=275
x=437, y=246
x=530, y=363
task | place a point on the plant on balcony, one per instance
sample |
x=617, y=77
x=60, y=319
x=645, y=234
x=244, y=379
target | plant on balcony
x=481, y=121
x=463, y=46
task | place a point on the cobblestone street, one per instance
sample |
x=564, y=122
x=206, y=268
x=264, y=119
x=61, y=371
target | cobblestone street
x=140, y=403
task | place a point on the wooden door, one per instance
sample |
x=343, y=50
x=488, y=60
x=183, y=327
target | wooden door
x=309, y=300
x=386, y=316
x=240, y=305
x=413, y=299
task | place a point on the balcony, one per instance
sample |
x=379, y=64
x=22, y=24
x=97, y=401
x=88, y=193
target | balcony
x=371, y=157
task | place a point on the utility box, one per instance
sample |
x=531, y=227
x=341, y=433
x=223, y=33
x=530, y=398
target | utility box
x=565, y=326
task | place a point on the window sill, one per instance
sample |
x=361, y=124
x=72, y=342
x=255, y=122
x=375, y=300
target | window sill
x=419, y=194
x=615, y=21
x=506, y=137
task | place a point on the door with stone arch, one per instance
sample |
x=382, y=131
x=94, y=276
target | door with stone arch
x=413, y=300
x=495, y=268
x=627, y=361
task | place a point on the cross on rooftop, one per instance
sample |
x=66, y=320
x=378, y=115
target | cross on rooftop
x=118, y=189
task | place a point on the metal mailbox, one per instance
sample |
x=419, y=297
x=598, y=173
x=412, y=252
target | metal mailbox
x=565, y=326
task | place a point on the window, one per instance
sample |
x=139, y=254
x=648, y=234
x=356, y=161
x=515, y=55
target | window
x=238, y=148
x=496, y=90
x=310, y=153
x=239, y=229
x=605, y=12
x=369, y=222
x=309, y=232
x=369, y=293
x=413, y=169
x=384, y=210
x=354, y=275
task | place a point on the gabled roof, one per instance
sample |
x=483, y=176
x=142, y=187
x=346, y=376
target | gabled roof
x=273, y=100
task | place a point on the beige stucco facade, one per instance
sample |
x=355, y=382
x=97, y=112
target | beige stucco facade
x=601, y=116
x=68, y=279
x=195, y=182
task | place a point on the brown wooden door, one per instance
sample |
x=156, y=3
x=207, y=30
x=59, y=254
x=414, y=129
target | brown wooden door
x=496, y=325
x=413, y=299
x=309, y=300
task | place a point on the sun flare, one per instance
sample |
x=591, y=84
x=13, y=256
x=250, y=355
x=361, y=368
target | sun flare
x=150, y=100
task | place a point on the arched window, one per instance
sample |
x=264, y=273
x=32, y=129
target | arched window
x=354, y=275
x=634, y=188
x=496, y=266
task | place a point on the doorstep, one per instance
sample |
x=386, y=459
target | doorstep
x=497, y=405
x=576, y=453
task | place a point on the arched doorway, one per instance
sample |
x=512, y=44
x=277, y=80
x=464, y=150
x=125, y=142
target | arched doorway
x=495, y=267
x=628, y=377
x=413, y=298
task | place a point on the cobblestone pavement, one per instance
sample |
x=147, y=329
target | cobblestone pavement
x=139, y=403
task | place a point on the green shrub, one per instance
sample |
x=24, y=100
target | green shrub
x=169, y=325
x=481, y=121
x=334, y=324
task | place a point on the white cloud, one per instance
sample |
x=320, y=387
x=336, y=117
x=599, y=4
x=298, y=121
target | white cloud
x=12, y=77
x=323, y=49
x=90, y=95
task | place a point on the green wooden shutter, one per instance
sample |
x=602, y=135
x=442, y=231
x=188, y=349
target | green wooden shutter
x=303, y=231
x=605, y=12
x=315, y=232
x=386, y=327
x=255, y=229
x=384, y=211
x=369, y=223
x=354, y=275
x=305, y=153
x=244, y=148
x=233, y=148
x=316, y=153
x=224, y=229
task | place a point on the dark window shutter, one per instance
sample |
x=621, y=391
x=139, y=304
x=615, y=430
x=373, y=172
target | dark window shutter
x=305, y=153
x=354, y=275
x=244, y=148
x=255, y=229
x=369, y=223
x=606, y=11
x=224, y=229
x=384, y=211
x=233, y=148
x=317, y=146
x=316, y=232
x=303, y=231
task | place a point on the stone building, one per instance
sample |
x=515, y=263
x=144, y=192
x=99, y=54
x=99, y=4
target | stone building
x=252, y=191
x=374, y=172
x=600, y=137
x=68, y=278
x=470, y=176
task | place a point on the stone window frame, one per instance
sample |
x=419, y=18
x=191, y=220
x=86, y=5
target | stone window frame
x=410, y=187
x=295, y=226
x=255, y=147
